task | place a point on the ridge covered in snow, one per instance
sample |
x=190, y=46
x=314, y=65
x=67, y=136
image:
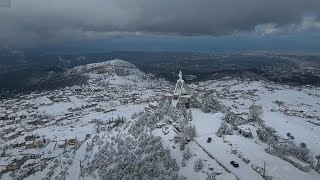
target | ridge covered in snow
x=114, y=72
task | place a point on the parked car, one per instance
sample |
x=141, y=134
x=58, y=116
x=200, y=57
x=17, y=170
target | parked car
x=234, y=164
x=209, y=140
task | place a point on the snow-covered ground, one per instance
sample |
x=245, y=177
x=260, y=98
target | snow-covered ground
x=117, y=91
x=285, y=118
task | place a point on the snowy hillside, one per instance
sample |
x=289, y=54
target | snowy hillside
x=119, y=126
x=115, y=72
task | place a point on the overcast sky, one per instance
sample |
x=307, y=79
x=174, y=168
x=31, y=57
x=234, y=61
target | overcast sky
x=29, y=23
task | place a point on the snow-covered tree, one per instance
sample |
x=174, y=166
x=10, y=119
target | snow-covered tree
x=186, y=153
x=232, y=118
x=190, y=132
x=210, y=104
x=255, y=113
x=175, y=113
x=212, y=176
x=198, y=165
x=189, y=116
x=134, y=158
x=267, y=134
x=183, y=163
x=224, y=130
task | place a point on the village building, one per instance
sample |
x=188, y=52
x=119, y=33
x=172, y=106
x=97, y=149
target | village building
x=62, y=143
x=10, y=136
x=30, y=163
x=247, y=131
x=153, y=105
x=19, y=143
x=179, y=137
x=3, y=116
x=72, y=140
x=9, y=164
x=29, y=145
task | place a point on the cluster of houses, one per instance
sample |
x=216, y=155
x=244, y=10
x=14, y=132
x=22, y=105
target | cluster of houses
x=20, y=118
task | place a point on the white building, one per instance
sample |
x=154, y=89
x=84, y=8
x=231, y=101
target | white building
x=247, y=131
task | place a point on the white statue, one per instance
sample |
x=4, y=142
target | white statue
x=180, y=75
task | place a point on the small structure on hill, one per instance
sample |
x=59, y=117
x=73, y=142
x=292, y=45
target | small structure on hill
x=183, y=95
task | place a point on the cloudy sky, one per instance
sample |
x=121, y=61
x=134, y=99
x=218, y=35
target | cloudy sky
x=125, y=23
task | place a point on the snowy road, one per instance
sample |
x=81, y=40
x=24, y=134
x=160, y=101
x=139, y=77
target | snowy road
x=210, y=155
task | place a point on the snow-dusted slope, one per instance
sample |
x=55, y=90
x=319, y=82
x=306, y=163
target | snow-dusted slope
x=115, y=72
x=117, y=138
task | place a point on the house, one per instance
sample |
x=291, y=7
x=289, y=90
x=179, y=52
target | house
x=30, y=163
x=99, y=109
x=153, y=105
x=30, y=129
x=19, y=129
x=168, y=97
x=160, y=125
x=19, y=143
x=29, y=145
x=31, y=156
x=10, y=136
x=17, y=120
x=12, y=116
x=72, y=140
x=3, y=116
x=303, y=166
x=245, y=130
x=147, y=109
x=9, y=163
x=13, y=163
x=62, y=143
x=178, y=138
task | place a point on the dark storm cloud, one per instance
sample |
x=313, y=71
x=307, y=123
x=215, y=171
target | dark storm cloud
x=32, y=21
